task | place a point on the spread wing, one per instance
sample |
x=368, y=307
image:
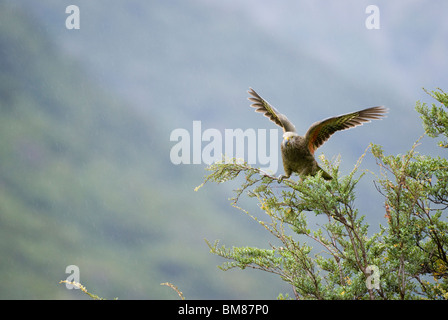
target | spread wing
x=269, y=111
x=319, y=132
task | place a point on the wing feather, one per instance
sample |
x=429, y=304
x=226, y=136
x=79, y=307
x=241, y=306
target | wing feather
x=320, y=131
x=270, y=112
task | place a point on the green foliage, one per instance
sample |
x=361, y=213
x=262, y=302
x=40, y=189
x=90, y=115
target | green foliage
x=415, y=199
x=335, y=261
x=435, y=119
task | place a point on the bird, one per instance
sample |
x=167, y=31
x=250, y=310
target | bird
x=298, y=151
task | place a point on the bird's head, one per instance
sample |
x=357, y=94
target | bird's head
x=289, y=137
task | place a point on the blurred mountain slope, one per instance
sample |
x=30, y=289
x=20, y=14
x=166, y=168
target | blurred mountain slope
x=82, y=182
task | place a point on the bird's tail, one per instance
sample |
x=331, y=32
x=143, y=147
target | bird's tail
x=325, y=175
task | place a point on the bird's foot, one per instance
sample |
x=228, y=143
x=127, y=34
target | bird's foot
x=281, y=177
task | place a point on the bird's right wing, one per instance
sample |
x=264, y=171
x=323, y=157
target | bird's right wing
x=320, y=131
x=270, y=112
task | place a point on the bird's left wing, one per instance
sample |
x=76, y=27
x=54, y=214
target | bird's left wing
x=270, y=112
x=320, y=131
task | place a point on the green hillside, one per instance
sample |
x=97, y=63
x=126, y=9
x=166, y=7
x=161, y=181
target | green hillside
x=68, y=158
x=82, y=182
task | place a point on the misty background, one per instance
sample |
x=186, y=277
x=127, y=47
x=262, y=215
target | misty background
x=86, y=117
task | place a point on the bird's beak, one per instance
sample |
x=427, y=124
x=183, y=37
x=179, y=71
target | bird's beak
x=286, y=141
